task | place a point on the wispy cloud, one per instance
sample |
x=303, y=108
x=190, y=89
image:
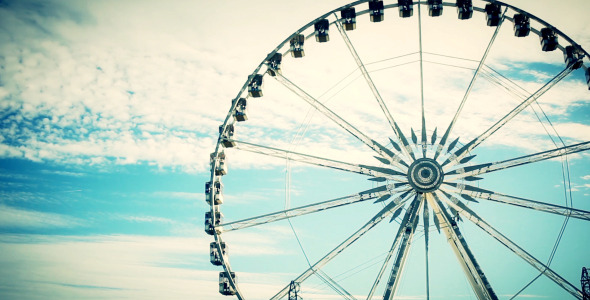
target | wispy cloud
x=12, y=217
x=107, y=85
x=63, y=173
x=122, y=267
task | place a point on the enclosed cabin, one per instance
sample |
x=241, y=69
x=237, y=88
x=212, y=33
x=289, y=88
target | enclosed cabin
x=522, y=25
x=296, y=47
x=227, y=135
x=214, y=192
x=322, y=28
x=221, y=168
x=210, y=224
x=573, y=57
x=255, y=85
x=406, y=8
x=493, y=14
x=435, y=8
x=348, y=17
x=241, y=113
x=225, y=288
x=464, y=9
x=274, y=64
x=214, y=255
x=548, y=39
x=376, y=11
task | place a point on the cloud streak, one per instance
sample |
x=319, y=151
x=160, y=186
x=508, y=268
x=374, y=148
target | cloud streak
x=108, y=86
x=11, y=218
x=119, y=266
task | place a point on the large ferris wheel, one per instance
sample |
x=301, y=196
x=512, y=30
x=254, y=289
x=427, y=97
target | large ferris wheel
x=445, y=125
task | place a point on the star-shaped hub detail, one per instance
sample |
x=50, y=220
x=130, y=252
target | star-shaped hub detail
x=425, y=175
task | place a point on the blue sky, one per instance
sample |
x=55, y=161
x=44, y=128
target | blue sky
x=110, y=110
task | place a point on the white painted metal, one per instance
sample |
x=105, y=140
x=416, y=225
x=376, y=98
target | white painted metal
x=400, y=135
x=380, y=149
x=442, y=217
x=509, y=163
x=479, y=283
x=386, y=211
x=405, y=236
x=445, y=136
x=311, y=208
x=320, y=161
x=462, y=152
x=487, y=228
x=484, y=194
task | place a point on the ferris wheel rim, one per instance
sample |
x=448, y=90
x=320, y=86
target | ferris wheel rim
x=217, y=235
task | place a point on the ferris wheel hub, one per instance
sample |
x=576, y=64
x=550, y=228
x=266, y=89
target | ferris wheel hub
x=425, y=175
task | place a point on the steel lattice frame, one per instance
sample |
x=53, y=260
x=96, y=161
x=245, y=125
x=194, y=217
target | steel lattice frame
x=417, y=173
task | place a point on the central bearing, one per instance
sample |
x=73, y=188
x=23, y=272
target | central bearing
x=425, y=175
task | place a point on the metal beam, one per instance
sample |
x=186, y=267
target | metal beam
x=386, y=211
x=426, y=222
x=509, y=163
x=484, y=194
x=479, y=282
x=445, y=136
x=469, y=214
x=396, y=241
x=404, y=236
x=307, y=209
x=459, y=154
x=400, y=135
x=320, y=161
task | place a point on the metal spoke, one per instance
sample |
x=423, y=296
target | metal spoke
x=480, y=193
x=380, y=149
x=479, y=283
x=311, y=208
x=487, y=228
x=401, y=137
x=396, y=241
x=319, y=161
x=522, y=160
x=424, y=140
x=386, y=211
x=404, y=236
x=334, y=285
x=445, y=136
x=426, y=221
x=459, y=154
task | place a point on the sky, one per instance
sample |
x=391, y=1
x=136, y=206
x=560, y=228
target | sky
x=110, y=109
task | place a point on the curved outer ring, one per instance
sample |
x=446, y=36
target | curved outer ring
x=225, y=263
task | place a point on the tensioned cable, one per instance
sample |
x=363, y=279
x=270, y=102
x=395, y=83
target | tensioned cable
x=295, y=141
x=450, y=56
x=337, y=287
x=423, y=140
x=565, y=164
x=564, y=167
x=375, y=260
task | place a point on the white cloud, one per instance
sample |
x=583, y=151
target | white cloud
x=181, y=195
x=121, y=267
x=11, y=217
x=103, y=82
x=63, y=173
x=107, y=84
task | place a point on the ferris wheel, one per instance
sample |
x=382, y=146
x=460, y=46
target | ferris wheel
x=398, y=148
